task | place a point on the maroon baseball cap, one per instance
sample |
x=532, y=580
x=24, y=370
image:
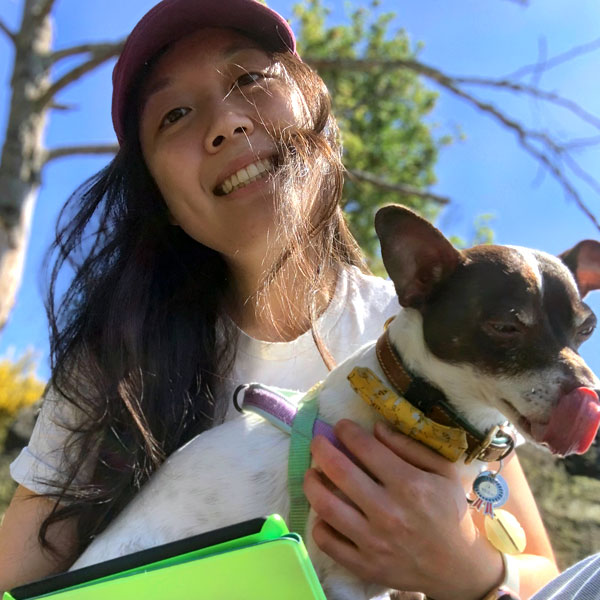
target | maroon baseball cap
x=171, y=20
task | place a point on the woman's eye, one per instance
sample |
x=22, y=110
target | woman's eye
x=174, y=115
x=249, y=78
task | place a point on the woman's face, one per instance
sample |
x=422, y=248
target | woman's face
x=209, y=109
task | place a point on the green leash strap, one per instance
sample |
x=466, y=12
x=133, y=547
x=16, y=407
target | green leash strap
x=299, y=459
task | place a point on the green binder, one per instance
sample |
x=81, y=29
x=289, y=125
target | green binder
x=254, y=560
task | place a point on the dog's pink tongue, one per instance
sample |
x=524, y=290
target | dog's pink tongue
x=573, y=424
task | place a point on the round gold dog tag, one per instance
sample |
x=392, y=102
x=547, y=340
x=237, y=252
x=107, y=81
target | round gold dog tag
x=505, y=532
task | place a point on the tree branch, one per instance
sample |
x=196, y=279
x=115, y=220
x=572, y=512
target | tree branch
x=549, y=152
x=97, y=58
x=533, y=91
x=93, y=49
x=584, y=142
x=55, y=153
x=45, y=8
x=9, y=34
x=556, y=60
x=38, y=10
x=401, y=188
x=59, y=106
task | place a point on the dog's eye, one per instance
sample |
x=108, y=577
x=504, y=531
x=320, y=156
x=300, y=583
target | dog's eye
x=502, y=328
x=586, y=331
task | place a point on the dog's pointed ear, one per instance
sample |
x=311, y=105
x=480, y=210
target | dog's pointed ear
x=584, y=262
x=416, y=255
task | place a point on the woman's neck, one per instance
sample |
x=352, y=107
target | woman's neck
x=278, y=311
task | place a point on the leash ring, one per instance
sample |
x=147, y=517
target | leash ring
x=236, y=404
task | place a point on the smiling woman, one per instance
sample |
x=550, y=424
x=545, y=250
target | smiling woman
x=214, y=108
x=211, y=252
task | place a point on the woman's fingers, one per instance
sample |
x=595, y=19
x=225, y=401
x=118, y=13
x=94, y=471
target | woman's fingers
x=346, y=476
x=397, y=504
x=342, y=516
x=380, y=454
x=338, y=547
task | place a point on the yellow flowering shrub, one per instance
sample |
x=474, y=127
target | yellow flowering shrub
x=19, y=386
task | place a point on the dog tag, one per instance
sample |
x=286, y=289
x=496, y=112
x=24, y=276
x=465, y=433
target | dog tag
x=491, y=491
x=505, y=532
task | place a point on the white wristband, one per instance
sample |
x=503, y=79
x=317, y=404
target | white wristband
x=511, y=573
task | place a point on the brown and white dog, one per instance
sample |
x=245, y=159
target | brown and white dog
x=495, y=328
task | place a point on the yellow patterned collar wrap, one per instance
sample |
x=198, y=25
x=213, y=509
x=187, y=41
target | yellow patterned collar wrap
x=450, y=442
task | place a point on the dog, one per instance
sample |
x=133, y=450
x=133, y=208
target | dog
x=495, y=328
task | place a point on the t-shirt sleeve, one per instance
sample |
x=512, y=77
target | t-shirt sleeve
x=43, y=461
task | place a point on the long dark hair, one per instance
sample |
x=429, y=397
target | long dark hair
x=138, y=345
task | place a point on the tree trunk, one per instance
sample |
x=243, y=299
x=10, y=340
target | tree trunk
x=22, y=154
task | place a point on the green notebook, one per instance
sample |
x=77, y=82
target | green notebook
x=254, y=560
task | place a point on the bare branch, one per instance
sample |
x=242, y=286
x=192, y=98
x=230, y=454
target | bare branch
x=55, y=153
x=548, y=151
x=96, y=59
x=401, y=188
x=556, y=60
x=46, y=7
x=541, y=61
x=59, y=106
x=6, y=30
x=533, y=91
x=93, y=49
x=558, y=173
x=446, y=81
x=38, y=10
x=582, y=173
x=585, y=142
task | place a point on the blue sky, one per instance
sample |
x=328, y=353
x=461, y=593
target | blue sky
x=485, y=173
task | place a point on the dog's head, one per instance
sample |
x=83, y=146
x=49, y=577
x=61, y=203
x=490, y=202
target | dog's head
x=500, y=327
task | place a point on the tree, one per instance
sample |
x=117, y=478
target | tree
x=375, y=112
x=23, y=154
x=378, y=84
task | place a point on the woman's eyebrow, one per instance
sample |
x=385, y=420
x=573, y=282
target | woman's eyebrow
x=150, y=90
x=240, y=46
x=227, y=54
x=156, y=87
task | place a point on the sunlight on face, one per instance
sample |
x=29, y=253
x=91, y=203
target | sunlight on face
x=209, y=112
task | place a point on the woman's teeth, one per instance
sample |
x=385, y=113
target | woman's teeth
x=245, y=176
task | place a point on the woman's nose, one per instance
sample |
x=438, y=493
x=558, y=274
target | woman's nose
x=227, y=124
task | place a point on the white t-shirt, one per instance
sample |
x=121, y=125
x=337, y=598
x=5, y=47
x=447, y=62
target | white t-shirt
x=355, y=315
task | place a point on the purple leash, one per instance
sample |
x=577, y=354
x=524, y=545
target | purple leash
x=278, y=410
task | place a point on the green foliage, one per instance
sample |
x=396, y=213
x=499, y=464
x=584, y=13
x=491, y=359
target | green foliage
x=483, y=233
x=381, y=111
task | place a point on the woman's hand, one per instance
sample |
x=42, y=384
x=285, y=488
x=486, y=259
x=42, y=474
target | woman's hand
x=403, y=520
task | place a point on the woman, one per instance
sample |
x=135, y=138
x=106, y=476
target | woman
x=212, y=251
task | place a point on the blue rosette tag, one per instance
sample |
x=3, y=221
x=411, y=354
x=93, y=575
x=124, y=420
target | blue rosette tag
x=491, y=491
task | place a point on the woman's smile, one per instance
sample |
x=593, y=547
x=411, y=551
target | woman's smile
x=259, y=169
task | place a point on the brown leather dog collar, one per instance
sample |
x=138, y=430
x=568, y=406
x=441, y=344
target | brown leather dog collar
x=490, y=446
